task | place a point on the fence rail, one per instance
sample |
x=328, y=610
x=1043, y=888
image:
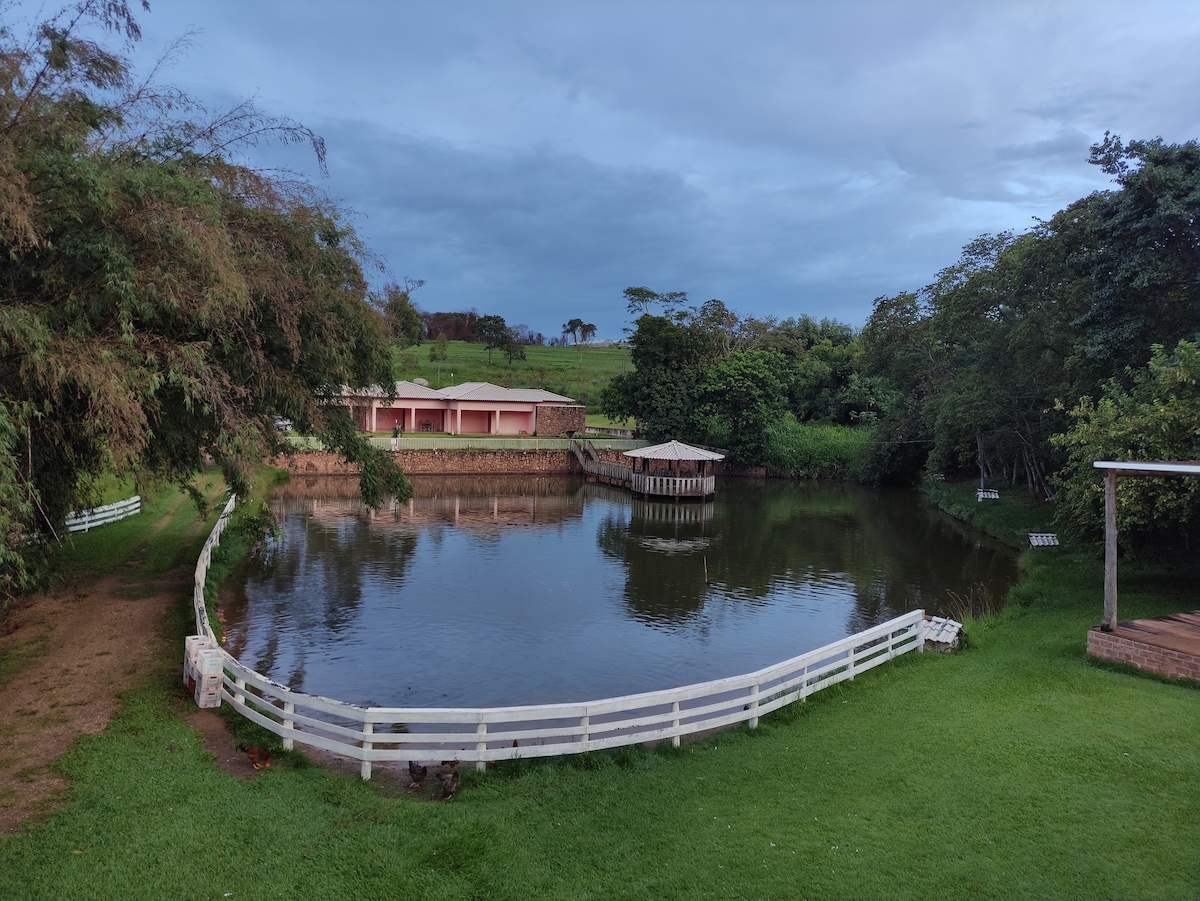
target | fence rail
x=85, y=520
x=473, y=734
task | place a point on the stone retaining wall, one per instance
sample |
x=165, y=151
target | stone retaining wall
x=441, y=462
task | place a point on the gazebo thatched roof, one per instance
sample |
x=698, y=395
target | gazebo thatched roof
x=674, y=450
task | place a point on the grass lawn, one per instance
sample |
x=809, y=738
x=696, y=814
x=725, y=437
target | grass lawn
x=1015, y=769
x=563, y=370
x=103, y=548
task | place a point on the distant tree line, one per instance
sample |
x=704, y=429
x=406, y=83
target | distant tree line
x=1026, y=360
x=464, y=326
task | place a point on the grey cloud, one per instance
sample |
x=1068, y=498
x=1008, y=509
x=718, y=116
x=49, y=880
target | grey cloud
x=786, y=157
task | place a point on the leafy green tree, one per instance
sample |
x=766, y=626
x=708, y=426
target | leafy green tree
x=1143, y=251
x=513, y=351
x=439, y=351
x=159, y=304
x=402, y=318
x=739, y=399
x=493, y=331
x=819, y=386
x=980, y=355
x=670, y=360
x=586, y=331
x=571, y=327
x=1157, y=417
x=639, y=301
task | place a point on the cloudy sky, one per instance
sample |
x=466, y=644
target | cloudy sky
x=533, y=159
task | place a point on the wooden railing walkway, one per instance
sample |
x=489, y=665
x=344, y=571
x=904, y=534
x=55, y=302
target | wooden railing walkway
x=600, y=470
x=482, y=734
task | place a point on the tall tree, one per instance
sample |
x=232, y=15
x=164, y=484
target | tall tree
x=586, y=331
x=739, y=399
x=670, y=360
x=159, y=304
x=1144, y=251
x=571, y=327
x=639, y=301
x=494, y=332
x=400, y=314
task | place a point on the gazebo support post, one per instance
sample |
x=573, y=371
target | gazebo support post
x=1110, y=551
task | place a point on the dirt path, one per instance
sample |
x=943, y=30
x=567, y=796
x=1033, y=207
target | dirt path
x=90, y=641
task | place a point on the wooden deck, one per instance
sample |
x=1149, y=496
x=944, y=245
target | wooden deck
x=1166, y=645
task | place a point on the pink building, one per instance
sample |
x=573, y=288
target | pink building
x=472, y=408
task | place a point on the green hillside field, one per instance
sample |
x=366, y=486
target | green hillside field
x=580, y=375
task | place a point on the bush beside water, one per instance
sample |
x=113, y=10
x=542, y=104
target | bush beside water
x=817, y=451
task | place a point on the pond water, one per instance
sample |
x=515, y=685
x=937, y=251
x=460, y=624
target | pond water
x=523, y=590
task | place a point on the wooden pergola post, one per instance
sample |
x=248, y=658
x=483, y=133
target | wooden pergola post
x=1110, y=551
x=1112, y=471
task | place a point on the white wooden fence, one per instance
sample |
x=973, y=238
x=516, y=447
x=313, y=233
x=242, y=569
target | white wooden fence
x=481, y=734
x=85, y=520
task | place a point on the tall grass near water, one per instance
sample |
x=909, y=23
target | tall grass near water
x=798, y=450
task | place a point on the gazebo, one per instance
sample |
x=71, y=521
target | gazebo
x=674, y=469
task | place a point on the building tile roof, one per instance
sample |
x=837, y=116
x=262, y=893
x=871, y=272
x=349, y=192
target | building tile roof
x=411, y=390
x=481, y=392
x=488, y=393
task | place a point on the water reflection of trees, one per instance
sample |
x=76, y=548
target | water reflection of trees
x=898, y=552
x=327, y=550
x=880, y=552
x=331, y=547
x=895, y=552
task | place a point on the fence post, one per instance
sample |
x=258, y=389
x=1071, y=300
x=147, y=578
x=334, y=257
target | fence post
x=585, y=727
x=289, y=707
x=481, y=746
x=675, y=714
x=365, y=771
x=753, y=705
x=241, y=690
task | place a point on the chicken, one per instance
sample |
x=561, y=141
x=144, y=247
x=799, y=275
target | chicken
x=259, y=758
x=416, y=773
x=450, y=782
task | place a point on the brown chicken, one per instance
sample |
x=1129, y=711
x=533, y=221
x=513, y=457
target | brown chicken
x=416, y=773
x=259, y=758
x=450, y=782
